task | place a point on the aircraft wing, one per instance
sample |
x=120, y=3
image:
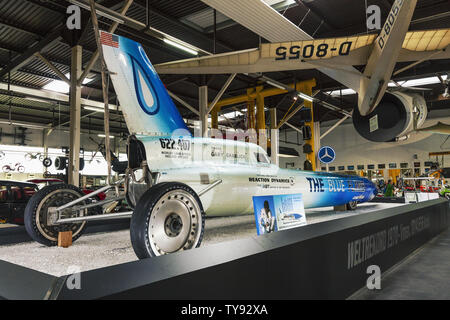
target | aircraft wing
x=333, y=53
x=440, y=128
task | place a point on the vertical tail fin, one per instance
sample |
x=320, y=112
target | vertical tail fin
x=144, y=100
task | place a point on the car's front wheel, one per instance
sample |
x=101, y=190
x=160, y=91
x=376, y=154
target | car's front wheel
x=168, y=218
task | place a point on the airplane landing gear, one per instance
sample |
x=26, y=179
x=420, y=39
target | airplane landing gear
x=168, y=218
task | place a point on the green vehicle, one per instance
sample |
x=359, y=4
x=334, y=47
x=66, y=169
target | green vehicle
x=445, y=192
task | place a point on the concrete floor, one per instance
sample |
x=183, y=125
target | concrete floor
x=94, y=251
x=424, y=275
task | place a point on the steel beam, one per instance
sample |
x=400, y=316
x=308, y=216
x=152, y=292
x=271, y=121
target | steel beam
x=183, y=103
x=49, y=95
x=215, y=118
x=53, y=68
x=316, y=144
x=260, y=113
x=95, y=55
x=75, y=117
x=187, y=28
x=334, y=127
x=265, y=93
x=134, y=24
x=306, y=88
x=24, y=58
x=203, y=107
x=334, y=108
x=293, y=127
x=301, y=106
x=251, y=115
x=104, y=86
x=221, y=92
x=274, y=137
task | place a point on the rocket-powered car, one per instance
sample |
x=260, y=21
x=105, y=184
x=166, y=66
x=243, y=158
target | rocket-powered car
x=174, y=179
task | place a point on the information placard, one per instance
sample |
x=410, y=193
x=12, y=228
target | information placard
x=278, y=212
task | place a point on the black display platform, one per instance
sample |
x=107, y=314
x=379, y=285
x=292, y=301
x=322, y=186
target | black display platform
x=319, y=261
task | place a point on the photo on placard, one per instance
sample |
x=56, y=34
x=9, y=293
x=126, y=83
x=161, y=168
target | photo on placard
x=290, y=211
x=264, y=214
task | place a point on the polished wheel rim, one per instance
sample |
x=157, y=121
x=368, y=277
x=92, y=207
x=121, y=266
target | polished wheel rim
x=175, y=223
x=55, y=199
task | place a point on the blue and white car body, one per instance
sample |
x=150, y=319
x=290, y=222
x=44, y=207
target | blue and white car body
x=176, y=155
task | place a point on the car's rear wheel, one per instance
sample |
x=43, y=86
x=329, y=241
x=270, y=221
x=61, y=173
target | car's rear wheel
x=36, y=213
x=168, y=218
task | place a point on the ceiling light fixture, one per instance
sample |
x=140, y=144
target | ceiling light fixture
x=94, y=109
x=104, y=136
x=305, y=97
x=181, y=47
x=276, y=85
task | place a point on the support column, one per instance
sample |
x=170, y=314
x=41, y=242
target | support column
x=251, y=120
x=75, y=116
x=203, y=108
x=45, y=133
x=274, y=137
x=116, y=152
x=260, y=114
x=316, y=146
x=306, y=88
x=261, y=119
x=215, y=117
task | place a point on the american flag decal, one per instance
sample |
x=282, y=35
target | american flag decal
x=109, y=39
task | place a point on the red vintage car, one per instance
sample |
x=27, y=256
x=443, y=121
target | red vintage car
x=14, y=196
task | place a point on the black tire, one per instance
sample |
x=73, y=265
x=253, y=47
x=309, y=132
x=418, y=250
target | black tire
x=352, y=205
x=81, y=164
x=61, y=163
x=47, y=162
x=48, y=196
x=149, y=205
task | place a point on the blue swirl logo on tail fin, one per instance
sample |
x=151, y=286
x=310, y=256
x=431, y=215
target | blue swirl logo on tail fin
x=145, y=93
